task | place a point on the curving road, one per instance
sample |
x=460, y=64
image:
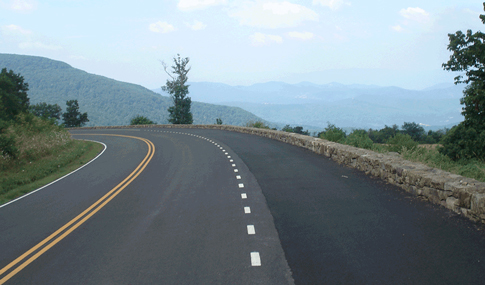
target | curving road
x=190, y=206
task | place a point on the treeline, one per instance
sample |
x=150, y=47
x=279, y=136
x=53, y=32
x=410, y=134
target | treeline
x=382, y=136
x=20, y=120
x=394, y=138
x=107, y=101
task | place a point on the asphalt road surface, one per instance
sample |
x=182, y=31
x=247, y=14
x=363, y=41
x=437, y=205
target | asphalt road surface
x=190, y=206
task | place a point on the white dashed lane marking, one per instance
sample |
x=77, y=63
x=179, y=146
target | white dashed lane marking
x=255, y=259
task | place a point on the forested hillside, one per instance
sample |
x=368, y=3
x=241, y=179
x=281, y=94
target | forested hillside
x=108, y=102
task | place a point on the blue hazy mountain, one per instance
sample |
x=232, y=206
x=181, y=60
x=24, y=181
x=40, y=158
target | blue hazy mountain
x=355, y=105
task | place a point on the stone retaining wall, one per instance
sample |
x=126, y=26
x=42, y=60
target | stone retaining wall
x=463, y=195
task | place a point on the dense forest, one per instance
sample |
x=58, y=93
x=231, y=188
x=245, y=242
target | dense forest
x=108, y=102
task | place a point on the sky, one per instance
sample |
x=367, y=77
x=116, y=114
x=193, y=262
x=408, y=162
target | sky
x=379, y=42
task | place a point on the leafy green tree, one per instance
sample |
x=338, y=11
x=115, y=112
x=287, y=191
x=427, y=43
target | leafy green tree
x=462, y=142
x=296, y=130
x=13, y=95
x=287, y=129
x=359, y=138
x=382, y=135
x=179, y=113
x=46, y=111
x=299, y=130
x=414, y=130
x=141, y=120
x=400, y=141
x=474, y=102
x=218, y=121
x=72, y=117
x=468, y=55
x=333, y=133
x=434, y=136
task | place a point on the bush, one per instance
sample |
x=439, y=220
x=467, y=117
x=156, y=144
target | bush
x=333, y=133
x=382, y=135
x=359, y=138
x=463, y=142
x=401, y=141
x=257, y=124
x=7, y=147
x=296, y=130
x=141, y=120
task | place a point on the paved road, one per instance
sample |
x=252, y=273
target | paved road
x=183, y=220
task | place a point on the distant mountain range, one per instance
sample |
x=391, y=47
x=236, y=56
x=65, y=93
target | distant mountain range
x=111, y=102
x=107, y=101
x=359, y=106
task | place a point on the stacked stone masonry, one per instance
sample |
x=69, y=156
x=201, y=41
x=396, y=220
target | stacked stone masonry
x=462, y=195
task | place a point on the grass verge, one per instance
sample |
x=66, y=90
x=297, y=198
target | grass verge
x=24, y=177
x=431, y=157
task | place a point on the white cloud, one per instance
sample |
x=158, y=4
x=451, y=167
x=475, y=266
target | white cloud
x=197, y=26
x=38, y=45
x=301, y=36
x=397, y=28
x=23, y=5
x=15, y=30
x=259, y=39
x=274, y=15
x=332, y=4
x=415, y=14
x=187, y=5
x=161, y=27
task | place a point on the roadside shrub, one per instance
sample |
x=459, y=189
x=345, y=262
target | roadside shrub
x=8, y=150
x=257, y=124
x=359, y=138
x=462, y=142
x=296, y=130
x=141, y=120
x=401, y=141
x=333, y=133
x=29, y=138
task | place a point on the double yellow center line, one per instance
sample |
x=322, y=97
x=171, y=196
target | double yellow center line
x=32, y=254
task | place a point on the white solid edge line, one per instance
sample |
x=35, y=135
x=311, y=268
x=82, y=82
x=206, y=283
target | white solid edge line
x=255, y=259
x=32, y=192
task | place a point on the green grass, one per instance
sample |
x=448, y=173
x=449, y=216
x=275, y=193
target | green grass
x=409, y=150
x=23, y=178
x=431, y=157
x=44, y=153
